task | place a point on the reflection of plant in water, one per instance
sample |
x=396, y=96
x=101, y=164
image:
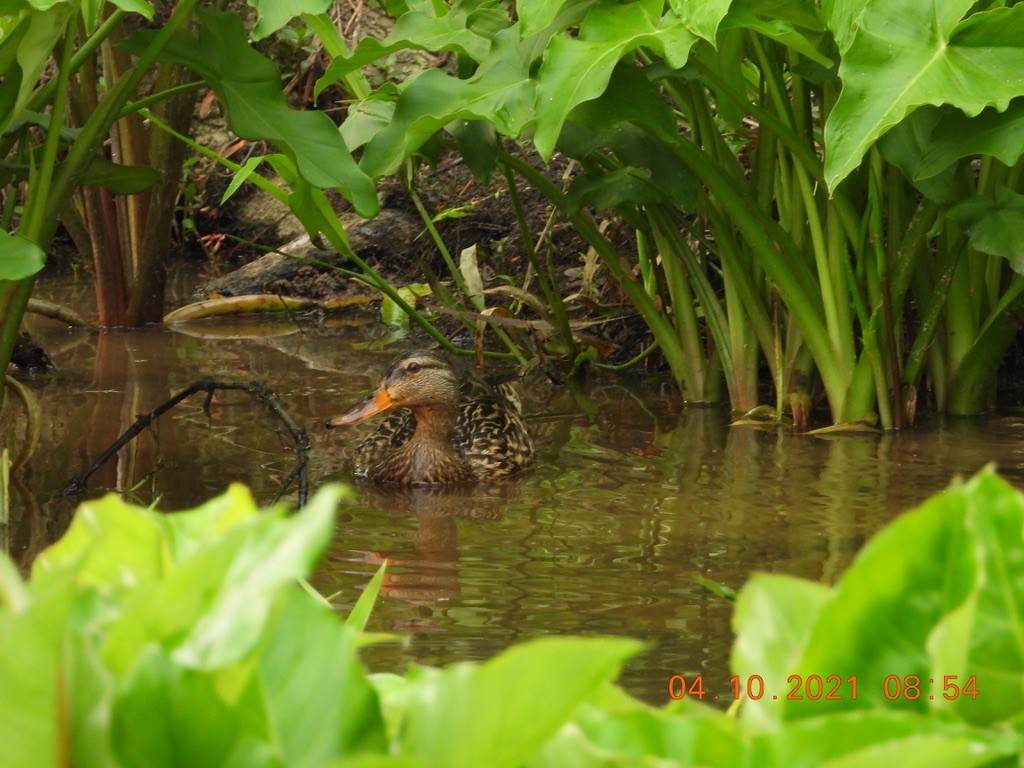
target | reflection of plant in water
x=18, y=452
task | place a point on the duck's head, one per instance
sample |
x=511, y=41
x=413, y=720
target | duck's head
x=421, y=381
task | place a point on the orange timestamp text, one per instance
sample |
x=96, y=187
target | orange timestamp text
x=826, y=688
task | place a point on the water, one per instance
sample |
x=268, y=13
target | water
x=633, y=501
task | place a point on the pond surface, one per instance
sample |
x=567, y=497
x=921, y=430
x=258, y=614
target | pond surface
x=633, y=501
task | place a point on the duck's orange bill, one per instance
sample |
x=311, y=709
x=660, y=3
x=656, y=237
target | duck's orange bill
x=376, y=403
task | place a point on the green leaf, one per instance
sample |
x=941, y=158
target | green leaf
x=689, y=734
x=651, y=173
x=370, y=116
x=501, y=92
x=31, y=641
x=120, y=179
x=878, y=620
x=241, y=176
x=772, y=621
x=249, y=86
x=274, y=14
x=318, y=698
x=995, y=637
x=89, y=689
x=360, y=613
x=956, y=136
x=887, y=737
x=905, y=55
x=576, y=70
x=211, y=608
x=926, y=751
x=140, y=7
x=478, y=145
x=909, y=145
x=392, y=314
x=14, y=595
x=169, y=716
x=743, y=15
x=500, y=713
x=994, y=223
x=701, y=17
x=110, y=545
x=630, y=97
x=417, y=31
x=19, y=257
x=536, y=15
x=29, y=39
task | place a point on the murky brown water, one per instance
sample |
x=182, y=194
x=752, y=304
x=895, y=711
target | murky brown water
x=631, y=503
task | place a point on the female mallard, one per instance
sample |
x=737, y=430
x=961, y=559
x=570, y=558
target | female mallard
x=440, y=434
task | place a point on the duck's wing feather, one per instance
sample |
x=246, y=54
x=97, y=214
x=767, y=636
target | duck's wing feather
x=491, y=437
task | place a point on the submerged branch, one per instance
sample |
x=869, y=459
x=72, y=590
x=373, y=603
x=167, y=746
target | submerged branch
x=76, y=485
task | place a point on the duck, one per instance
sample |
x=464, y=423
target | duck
x=437, y=432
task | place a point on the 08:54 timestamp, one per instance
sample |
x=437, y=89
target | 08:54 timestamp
x=827, y=688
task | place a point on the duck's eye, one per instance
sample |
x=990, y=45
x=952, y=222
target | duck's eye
x=412, y=367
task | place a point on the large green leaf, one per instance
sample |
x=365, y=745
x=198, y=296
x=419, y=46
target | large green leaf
x=994, y=634
x=801, y=33
x=909, y=145
x=212, y=607
x=109, y=545
x=419, y=31
x=536, y=15
x=577, y=69
x=499, y=713
x=31, y=642
x=702, y=17
x=880, y=738
x=878, y=620
x=773, y=620
x=956, y=136
x=687, y=734
x=169, y=716
x=501, y=92
x=89, y=689
x=994, y=224
x=120, y=179
x=319, y=701
x=274, y=14
x=621, y=120
x=19, y=257
x=906, y=54
x=26, y=44
x=249, y=86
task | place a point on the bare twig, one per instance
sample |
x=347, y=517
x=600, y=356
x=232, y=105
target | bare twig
x=76, y=485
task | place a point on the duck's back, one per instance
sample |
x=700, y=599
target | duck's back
x=489, y=436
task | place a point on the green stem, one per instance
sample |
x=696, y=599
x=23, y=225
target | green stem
x=456, y=273
x=973, y=379
x=333, y=43
x=674, y=255
x=774, y=251
x=559, y=314
x=32, y=224
x=45, y=93
x=661, y=328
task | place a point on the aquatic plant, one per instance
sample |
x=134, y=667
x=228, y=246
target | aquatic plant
x=804, y=180
x=48, y=157
x=186, y=639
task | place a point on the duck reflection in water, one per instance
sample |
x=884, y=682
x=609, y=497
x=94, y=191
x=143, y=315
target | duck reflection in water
x=423, y=563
